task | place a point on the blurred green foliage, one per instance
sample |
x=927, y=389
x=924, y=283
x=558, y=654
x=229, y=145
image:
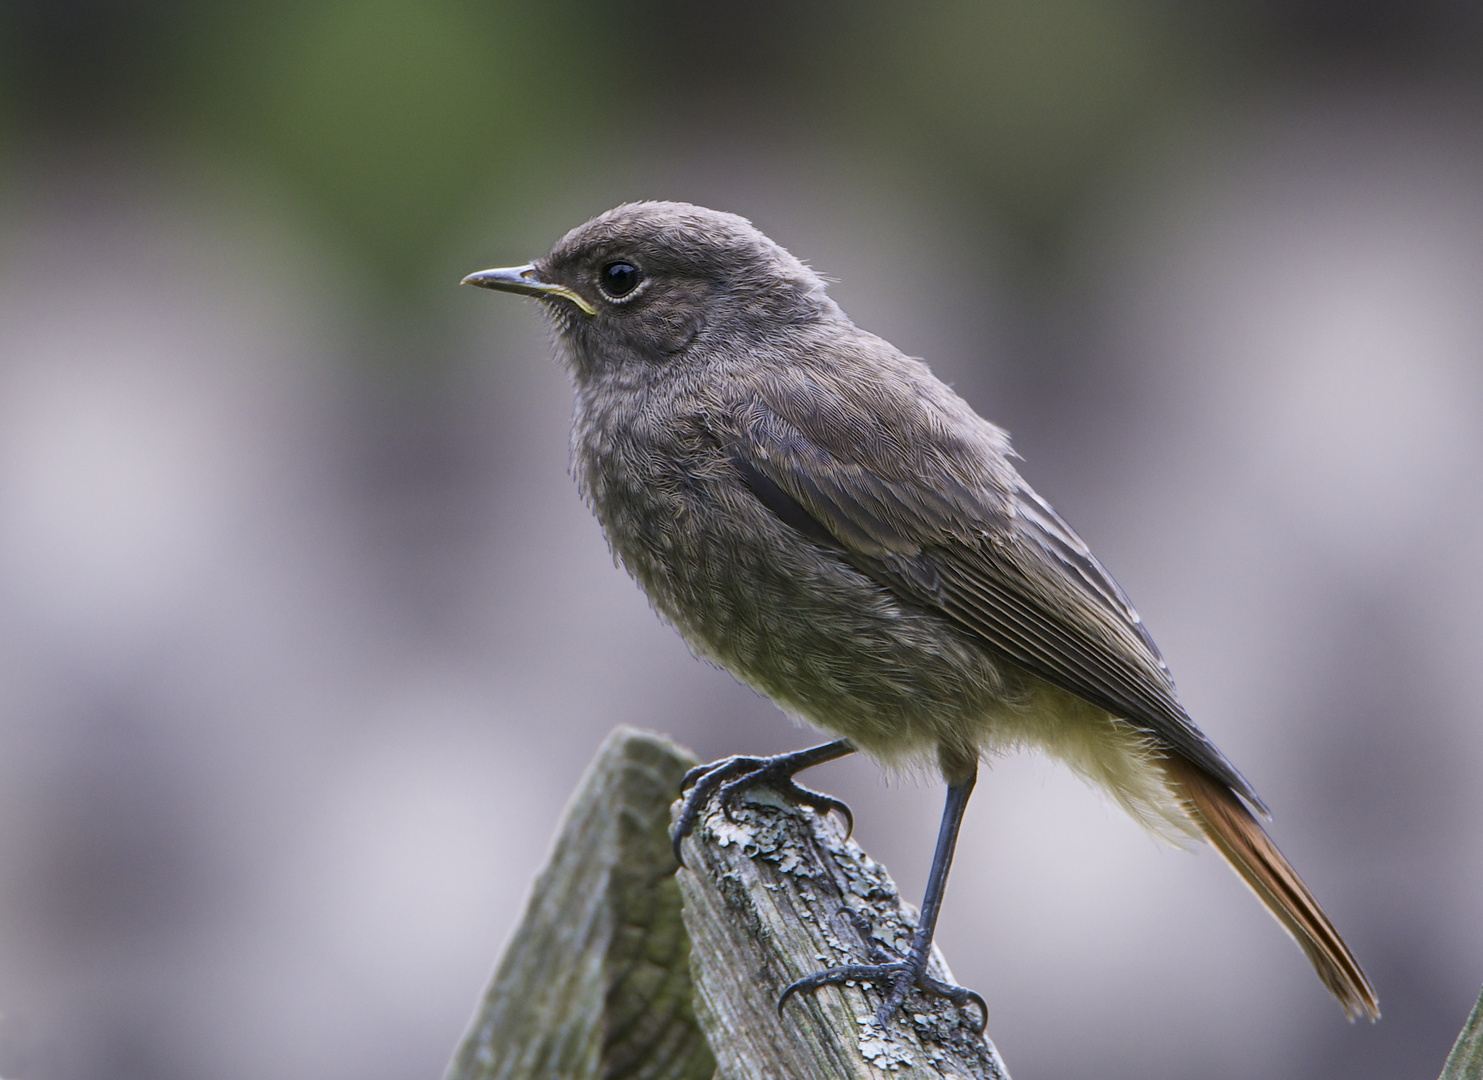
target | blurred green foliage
x=1032, y=99
x=389, y=118
x=393, y=121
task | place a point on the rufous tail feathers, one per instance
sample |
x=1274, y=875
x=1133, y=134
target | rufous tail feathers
x=1239, y=837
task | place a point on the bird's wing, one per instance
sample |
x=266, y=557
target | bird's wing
x=974, y=544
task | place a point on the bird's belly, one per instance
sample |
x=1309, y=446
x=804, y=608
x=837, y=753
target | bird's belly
x=796, y=622
x=833, y=647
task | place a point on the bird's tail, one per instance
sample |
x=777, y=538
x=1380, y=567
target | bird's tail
x=1237, y=835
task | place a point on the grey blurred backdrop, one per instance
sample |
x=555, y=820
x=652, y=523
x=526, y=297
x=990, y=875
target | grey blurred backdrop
x=305, y=636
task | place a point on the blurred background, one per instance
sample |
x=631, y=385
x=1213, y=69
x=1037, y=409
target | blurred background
x=305, y=635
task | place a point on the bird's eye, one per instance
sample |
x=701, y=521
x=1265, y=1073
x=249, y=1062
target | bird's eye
x=618, y=279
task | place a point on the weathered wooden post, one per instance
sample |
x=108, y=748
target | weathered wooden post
x=1466, y=1060
x=777, y=893
x=622, y=968
x=594, y=982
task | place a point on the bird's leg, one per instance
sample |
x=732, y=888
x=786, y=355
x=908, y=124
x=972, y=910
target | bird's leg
x=902, y=976
x=734, y=775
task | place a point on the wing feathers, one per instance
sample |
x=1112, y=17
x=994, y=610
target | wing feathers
x=992, y=556
x=979, y=546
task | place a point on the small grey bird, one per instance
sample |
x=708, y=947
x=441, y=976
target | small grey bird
x=817, y=513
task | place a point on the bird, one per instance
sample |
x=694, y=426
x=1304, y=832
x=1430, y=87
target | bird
x=820, y=515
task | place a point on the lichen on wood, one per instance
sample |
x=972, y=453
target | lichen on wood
x=605, y=980
x=776, y=892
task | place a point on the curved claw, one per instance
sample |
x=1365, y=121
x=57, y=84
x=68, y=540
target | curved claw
x=682, y=828
x=789, y=789
x=701, y=781
x=959, y=996
x=693, y=775
x=833, y=976
x=734, y=775
x=716, y=771
x=824, y=804
x=901, y=973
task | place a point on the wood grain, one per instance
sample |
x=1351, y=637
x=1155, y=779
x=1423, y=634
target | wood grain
x=594, y=983
x=779, y=893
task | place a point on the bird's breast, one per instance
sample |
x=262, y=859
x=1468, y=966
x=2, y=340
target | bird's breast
x=784, y=613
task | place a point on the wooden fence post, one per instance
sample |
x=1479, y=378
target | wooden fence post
x=596, y=982
x=1466, y=1060
x=777, y=892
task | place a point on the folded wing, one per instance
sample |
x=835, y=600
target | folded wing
x=976, y=545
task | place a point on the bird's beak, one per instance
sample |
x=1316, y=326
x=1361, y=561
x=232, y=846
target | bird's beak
x=526, y=281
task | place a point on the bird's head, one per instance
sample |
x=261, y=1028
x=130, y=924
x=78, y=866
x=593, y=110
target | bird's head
x=649, y=281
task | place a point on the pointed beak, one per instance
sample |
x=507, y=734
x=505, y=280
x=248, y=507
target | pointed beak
x=526, y=281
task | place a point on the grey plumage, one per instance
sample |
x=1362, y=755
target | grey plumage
x=820, y=515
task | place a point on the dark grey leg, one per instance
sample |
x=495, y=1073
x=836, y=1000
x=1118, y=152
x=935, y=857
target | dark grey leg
x=911, y=971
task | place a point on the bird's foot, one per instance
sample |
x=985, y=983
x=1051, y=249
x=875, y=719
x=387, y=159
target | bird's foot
x=901, y=976
x=730, y=777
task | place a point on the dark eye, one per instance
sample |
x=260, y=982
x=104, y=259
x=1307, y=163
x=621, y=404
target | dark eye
x=618, y=279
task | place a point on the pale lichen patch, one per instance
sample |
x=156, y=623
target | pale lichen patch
x=813, y=899
x=879, y=1047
